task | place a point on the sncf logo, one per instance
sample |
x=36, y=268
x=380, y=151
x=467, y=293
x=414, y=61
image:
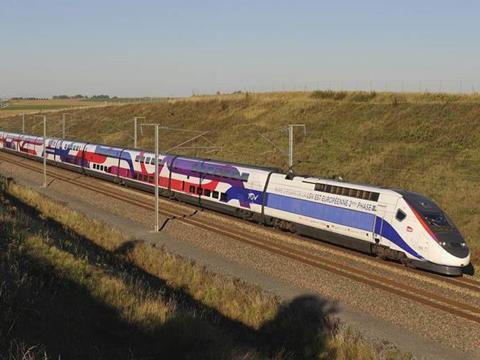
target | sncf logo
x=409, y=229
x=252, y=196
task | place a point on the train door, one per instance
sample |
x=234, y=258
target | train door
x=53, y=146
x=405, y=225
x=379, y=223
x=58, y=150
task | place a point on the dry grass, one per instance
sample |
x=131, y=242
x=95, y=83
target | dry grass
x=427, y=143
x=18, y=107
x=230, y=297
x=207, y=313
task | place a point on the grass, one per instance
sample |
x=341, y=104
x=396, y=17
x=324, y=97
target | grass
x=429, y=143
x=74, y=287
x=18, y=107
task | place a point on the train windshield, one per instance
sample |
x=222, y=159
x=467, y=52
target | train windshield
x=436, y=219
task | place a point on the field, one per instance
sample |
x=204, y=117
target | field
x=18, y=107
x=72, y=287
x=429, y=143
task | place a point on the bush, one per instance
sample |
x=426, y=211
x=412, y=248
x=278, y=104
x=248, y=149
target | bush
x=362, y=96
x=329, y=94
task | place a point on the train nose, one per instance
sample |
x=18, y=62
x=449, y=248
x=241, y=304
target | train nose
x=454, y=243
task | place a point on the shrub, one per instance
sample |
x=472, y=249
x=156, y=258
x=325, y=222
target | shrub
x=329, y=94
x=362, y=96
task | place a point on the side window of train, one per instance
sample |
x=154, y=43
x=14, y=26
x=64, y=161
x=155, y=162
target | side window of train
x=206, y=192
x=215, y=194
x=223, y=197
x=192, y=189
x=400, y=215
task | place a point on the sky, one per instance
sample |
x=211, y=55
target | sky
x=176, y=48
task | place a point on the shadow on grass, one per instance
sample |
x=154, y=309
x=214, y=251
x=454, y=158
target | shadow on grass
x=39, y=305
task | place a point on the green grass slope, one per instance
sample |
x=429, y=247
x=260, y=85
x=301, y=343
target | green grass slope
x=429, y=143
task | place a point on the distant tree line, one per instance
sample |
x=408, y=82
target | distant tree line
x=79, y=96
x=28, y=98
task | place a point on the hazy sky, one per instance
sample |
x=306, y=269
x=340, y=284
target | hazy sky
x=159, y=48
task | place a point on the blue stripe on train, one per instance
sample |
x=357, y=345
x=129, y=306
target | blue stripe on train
x=388, y=232
x=334, y=214
x=338, y=215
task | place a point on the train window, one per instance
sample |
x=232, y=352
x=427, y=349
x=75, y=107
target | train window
x=223, y=197
x=199, y=191
x=328, y=188
x=207, y=192
x=374, y=196
x=345, y=191
x=400, y=215
x=192, y=189
x=147, y=161
x=215, y=194
x=150, y=179
x=319, y=187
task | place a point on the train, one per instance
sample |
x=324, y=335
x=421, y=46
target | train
x=392, y=224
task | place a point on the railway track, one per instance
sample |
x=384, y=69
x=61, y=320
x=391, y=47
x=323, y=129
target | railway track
x=404, y=290
x=460, y=282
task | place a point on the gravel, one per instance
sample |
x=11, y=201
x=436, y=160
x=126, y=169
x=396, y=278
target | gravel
x=409, y=316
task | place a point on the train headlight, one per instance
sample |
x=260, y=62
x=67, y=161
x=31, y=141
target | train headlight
x=463, y=244
x=442, y=243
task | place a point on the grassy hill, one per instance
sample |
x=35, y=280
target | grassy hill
x=73, y=287
x=428, y=143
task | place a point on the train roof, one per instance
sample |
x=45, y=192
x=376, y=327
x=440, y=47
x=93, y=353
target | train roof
x=256, y=167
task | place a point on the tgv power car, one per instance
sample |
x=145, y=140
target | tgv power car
x=393, y=224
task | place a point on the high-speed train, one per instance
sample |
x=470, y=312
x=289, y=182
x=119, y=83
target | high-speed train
x=392, y=224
